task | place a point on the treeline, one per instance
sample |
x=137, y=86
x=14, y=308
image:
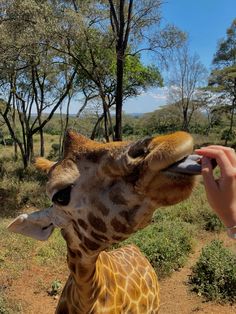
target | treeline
x=91, y=53
x=52, y=52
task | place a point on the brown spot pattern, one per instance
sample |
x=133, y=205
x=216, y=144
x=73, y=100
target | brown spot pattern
x=72, y=267
x=118, y=226
x=90, y=244
x=83, y=224
x=99, y=237
x=116, y=197
x=97, y=223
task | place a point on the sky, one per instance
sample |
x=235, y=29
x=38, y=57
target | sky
x=205, y=21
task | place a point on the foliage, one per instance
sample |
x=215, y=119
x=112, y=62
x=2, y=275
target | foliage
x=214, y=275
x=165, y=246
x=20, y=188
x=223, y=76
x=195, y=211
x=56, y=287
x=228, y=134
x=186, y=77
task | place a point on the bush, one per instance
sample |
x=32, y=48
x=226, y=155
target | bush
x=227, y=135
x=54, y=153
x=195, y=210
x=214, y=275
x=166, y=245
x=20, y=188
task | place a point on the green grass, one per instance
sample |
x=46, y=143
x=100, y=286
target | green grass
x=15, y=250
x=9, y=306
x=51, y=252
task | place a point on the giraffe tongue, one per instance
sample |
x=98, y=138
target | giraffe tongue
x=189, y=165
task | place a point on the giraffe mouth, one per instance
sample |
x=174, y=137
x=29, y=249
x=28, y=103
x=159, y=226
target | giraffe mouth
x=189, y=165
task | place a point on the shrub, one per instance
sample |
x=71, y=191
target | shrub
x=227, y=135
x=55, y=150
x=166, y=245
x=214, y=275
x=195, y=210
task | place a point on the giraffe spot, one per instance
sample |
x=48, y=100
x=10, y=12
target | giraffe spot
x=118, y=226
x=99, y=237
x=78, y=233
x=116, y=196
x=97, y=223
x=102, y=208
x=83, y=248
x=83, y=224
x=62, y=308
x=90, y=244
x=71, y=253
x=129, y=215
x=117, y=238
x=79, y=254
x=72, y=267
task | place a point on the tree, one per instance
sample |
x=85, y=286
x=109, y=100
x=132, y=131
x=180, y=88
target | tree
x=133, y=22
x=223, y=76
x=32, y=77
x=137, y=78
x=186, y=76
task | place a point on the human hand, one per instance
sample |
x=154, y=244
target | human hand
x=221, y=192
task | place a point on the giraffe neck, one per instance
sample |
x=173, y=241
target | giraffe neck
x=84, y=283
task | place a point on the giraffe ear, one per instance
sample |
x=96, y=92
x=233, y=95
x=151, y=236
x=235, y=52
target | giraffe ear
x=44, y=164
x=37, y=225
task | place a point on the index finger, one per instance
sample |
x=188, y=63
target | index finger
x=220, y=156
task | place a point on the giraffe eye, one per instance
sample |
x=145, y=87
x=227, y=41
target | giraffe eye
x=62, y=197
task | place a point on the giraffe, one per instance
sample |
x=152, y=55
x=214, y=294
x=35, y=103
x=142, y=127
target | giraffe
x=101, y=194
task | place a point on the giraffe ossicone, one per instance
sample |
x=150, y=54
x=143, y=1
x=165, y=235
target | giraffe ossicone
x=101, y=194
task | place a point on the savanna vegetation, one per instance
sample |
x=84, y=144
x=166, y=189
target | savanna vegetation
x=89, y=54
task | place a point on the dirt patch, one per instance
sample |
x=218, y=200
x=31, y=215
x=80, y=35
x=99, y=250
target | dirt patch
x=176, y=297
x=29, y=290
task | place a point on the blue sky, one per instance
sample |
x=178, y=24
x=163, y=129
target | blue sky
x=206, y=22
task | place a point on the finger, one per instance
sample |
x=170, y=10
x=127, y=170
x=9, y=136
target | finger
x=208, y=177
x=221, y=159
x=230, y=152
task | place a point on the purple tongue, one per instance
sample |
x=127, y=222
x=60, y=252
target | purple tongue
x=189, y=165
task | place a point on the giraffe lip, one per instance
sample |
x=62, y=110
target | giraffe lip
x=189, y=165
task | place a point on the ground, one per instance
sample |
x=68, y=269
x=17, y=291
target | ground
x=30, y=291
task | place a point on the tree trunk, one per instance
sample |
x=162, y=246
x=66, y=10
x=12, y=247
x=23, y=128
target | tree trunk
x=42, y=147
x=185, y=120
x=119, y=97
x=231, y=122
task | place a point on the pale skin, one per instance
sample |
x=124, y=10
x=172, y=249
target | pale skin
x=221, y=192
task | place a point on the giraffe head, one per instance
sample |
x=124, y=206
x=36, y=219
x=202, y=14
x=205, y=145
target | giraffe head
x=101, y=193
